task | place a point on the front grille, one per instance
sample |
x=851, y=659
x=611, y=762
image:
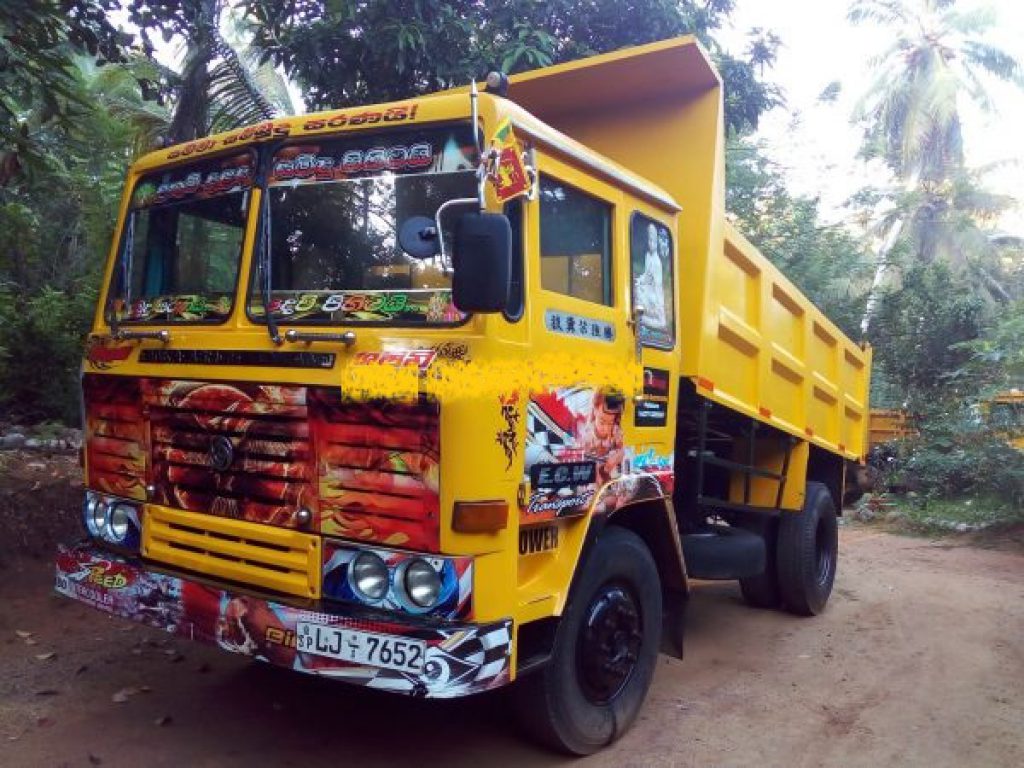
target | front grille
x=379, y=470
x=115, y=436
x=247, y=553
x=269, y=479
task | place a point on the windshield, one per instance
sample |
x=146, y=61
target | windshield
x=335, y=209
x=182, y=243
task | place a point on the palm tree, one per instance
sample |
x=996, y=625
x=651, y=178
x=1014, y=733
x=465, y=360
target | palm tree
x=215, y=91
x=912, y=118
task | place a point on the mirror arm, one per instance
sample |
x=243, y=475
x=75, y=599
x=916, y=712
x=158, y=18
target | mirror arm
x=445, y=261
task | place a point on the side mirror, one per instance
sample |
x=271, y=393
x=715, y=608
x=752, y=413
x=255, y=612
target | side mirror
x=482, y=258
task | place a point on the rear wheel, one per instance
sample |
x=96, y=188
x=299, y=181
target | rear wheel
x=604, y=652
x=807, y=553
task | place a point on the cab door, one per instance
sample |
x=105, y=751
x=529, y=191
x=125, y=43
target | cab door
x=582, y=359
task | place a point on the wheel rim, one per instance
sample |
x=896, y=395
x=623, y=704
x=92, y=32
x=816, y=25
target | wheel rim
x=609, y=643
x=824, y=552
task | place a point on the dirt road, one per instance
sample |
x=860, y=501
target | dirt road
x=919, y=660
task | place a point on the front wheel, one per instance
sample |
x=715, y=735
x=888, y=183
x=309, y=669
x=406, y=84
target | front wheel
x=604, y=652
x=807, y=552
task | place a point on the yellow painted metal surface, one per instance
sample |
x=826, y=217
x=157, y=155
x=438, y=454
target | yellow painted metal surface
x=888, y=424
x=262, y=556
x=1005, y=412
x=767, y=351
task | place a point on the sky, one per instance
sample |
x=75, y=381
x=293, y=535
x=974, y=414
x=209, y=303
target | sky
x=815, y=144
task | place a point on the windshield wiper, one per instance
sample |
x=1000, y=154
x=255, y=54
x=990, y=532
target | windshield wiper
x=265, y=267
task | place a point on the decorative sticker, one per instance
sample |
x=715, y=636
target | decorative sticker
x=188, y=308
x=410, y=151
x=415, y=306
x=574, y=445
x=508, y=436
x=103, y=353
x=652, y=411
x=581, y=327
x=420, y=358
x=338, y=120
x=575, y=457
x=198, y=181
x=459, y=659
x=538, y=538
x=651, y=261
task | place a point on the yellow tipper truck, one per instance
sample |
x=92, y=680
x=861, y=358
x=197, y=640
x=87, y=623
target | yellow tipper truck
x=460, y=391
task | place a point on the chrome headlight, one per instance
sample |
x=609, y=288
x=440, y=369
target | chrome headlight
x=112, y=520
x=369, y=576
x=97, y=513
x=119, y=523
x=421, y=583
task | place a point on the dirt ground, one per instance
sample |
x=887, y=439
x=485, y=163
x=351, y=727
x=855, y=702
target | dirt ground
x=919, y=660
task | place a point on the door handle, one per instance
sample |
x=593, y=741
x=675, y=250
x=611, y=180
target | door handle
x=635, y=319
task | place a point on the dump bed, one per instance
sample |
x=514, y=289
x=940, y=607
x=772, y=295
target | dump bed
x=749, y=339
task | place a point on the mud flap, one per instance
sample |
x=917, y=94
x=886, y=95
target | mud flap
x=673, y=622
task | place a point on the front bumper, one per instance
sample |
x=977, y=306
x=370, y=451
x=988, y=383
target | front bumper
x=461, y=658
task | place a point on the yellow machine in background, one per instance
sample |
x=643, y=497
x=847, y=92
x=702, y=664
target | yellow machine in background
x=1004, y=414
x=888, y=424
x=462, y=390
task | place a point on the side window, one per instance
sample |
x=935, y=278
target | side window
x=575, y=243
x=651, y=259
x=515, y=306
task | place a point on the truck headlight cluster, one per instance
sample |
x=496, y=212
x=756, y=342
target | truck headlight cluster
x=395, y=580
x=112, y=521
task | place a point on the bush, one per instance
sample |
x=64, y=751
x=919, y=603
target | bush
x=956, y=456
x=41, y=342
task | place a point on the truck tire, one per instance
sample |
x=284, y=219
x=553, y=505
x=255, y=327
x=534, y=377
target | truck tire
x=604, y=654
x=807, y=552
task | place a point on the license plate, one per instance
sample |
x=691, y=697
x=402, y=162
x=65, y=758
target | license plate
x=369, y=648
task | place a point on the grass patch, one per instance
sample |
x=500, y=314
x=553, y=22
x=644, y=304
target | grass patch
x=960, y=515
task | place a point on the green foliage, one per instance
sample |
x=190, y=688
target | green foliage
x=216, y=90
x=827, y=263
x=38, y=42
x=345, y=53
x=956, y=456
x=995, y=360
x=919, y=331
x=55, y=230
x=41, y=340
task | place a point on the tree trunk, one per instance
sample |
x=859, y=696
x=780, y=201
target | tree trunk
x=881, y=267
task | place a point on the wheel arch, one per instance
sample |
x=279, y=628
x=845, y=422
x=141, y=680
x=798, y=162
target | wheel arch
x=828, y=469
x=654, y=521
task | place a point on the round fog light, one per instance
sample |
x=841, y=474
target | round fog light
x=422, y=583
x=369, y=576
x=119, y=523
